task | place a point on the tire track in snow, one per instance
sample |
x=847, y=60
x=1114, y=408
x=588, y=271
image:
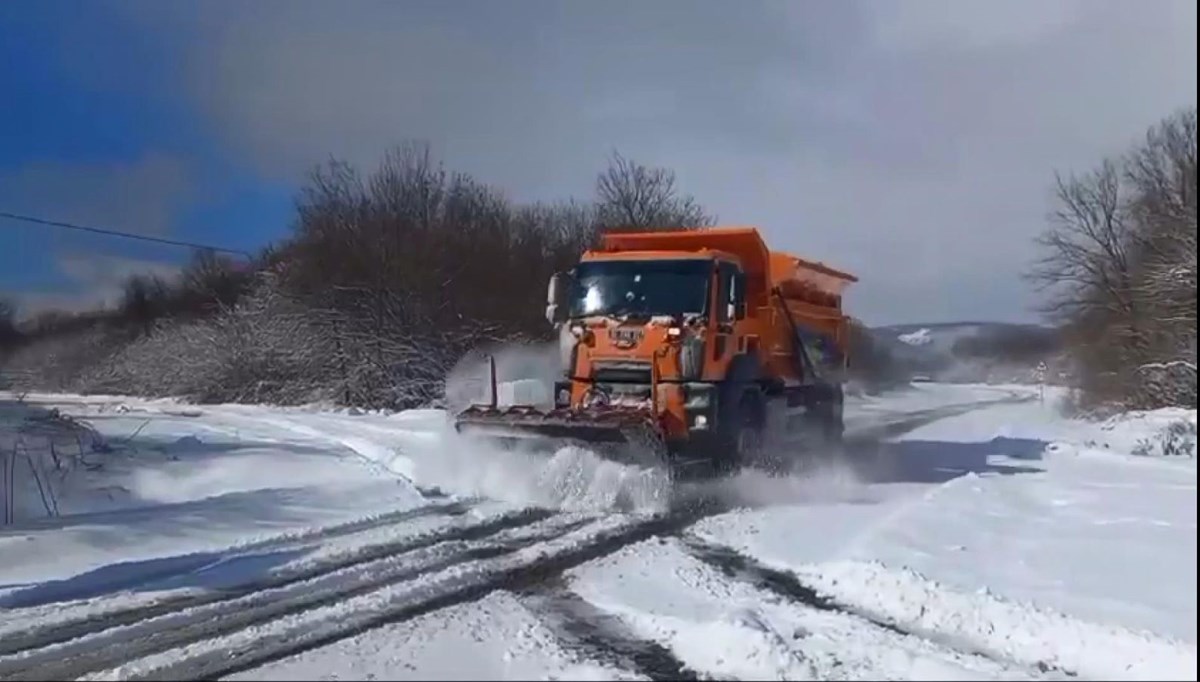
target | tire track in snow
x=789, y=586
x=47, y=645
x=869, y=435
x=189, y=563
x=179, y=630
x=862, y=445
x=582, y=628
x=398, y=601
x=581, y=624
x=214, y=649
x=726, y=623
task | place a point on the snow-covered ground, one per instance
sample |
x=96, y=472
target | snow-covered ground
x=993, y=540
x=1005, y=521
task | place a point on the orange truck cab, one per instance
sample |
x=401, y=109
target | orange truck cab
x=703, y=340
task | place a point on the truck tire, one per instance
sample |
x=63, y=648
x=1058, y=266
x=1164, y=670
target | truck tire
x=742, y=435
x=750, y=429
x=834, y=422
x=826, y=427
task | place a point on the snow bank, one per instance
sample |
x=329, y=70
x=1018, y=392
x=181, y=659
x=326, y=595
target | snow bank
x=993, y=625
x=137, y=481
x=1167, y=432
x=47, y=460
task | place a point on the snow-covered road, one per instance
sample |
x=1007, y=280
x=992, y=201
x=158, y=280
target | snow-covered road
x=994, y=540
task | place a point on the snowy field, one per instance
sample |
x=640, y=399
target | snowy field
x=992, y=539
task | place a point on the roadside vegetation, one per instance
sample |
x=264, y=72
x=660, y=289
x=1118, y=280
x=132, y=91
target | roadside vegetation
x=391, y=275
x=1118, y=267
x=388, y=278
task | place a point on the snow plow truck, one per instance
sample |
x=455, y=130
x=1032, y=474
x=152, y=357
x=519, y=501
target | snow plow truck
x=701, y=350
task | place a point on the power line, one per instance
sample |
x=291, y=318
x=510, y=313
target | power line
x=117, y=233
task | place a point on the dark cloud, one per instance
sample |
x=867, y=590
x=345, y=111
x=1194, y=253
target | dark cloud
x=910, y=142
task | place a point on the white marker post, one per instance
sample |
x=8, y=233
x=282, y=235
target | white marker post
x=1041, y=378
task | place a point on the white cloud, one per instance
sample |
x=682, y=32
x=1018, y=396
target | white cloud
x=93, y=281
x=140, y=196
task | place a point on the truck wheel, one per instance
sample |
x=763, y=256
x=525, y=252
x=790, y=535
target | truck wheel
x=828, y=427
x=750, y=431
x=835, y=424
x=743, y=437
x=752, y=447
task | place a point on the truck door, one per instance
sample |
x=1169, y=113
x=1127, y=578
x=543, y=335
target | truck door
x=725, y=342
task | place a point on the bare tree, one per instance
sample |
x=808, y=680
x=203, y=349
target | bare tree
x=1118, y=264
x=1085, y=262
x=211, y=282
x=388, y=278
x=633, y=196
x=144, y=300
x=1163, y=169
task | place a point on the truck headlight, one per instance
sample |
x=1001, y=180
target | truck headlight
x=562, y=394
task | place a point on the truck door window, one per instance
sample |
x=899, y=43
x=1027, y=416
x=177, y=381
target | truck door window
x=739, y=295
x=728, y=292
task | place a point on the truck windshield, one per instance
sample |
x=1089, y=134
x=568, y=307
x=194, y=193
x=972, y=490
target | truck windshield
x=641, y=287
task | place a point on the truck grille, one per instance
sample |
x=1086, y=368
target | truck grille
x=621, y=372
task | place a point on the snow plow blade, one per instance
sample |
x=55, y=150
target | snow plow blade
x=619, y=434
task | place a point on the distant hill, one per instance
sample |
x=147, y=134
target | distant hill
x=971, y=351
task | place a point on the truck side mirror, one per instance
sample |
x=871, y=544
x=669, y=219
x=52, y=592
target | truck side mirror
x=556, y=298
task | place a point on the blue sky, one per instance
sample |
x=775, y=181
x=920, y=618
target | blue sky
x=912, y=143
x=92, y=95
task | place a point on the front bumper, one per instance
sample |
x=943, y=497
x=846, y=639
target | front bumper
x=699, y=401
